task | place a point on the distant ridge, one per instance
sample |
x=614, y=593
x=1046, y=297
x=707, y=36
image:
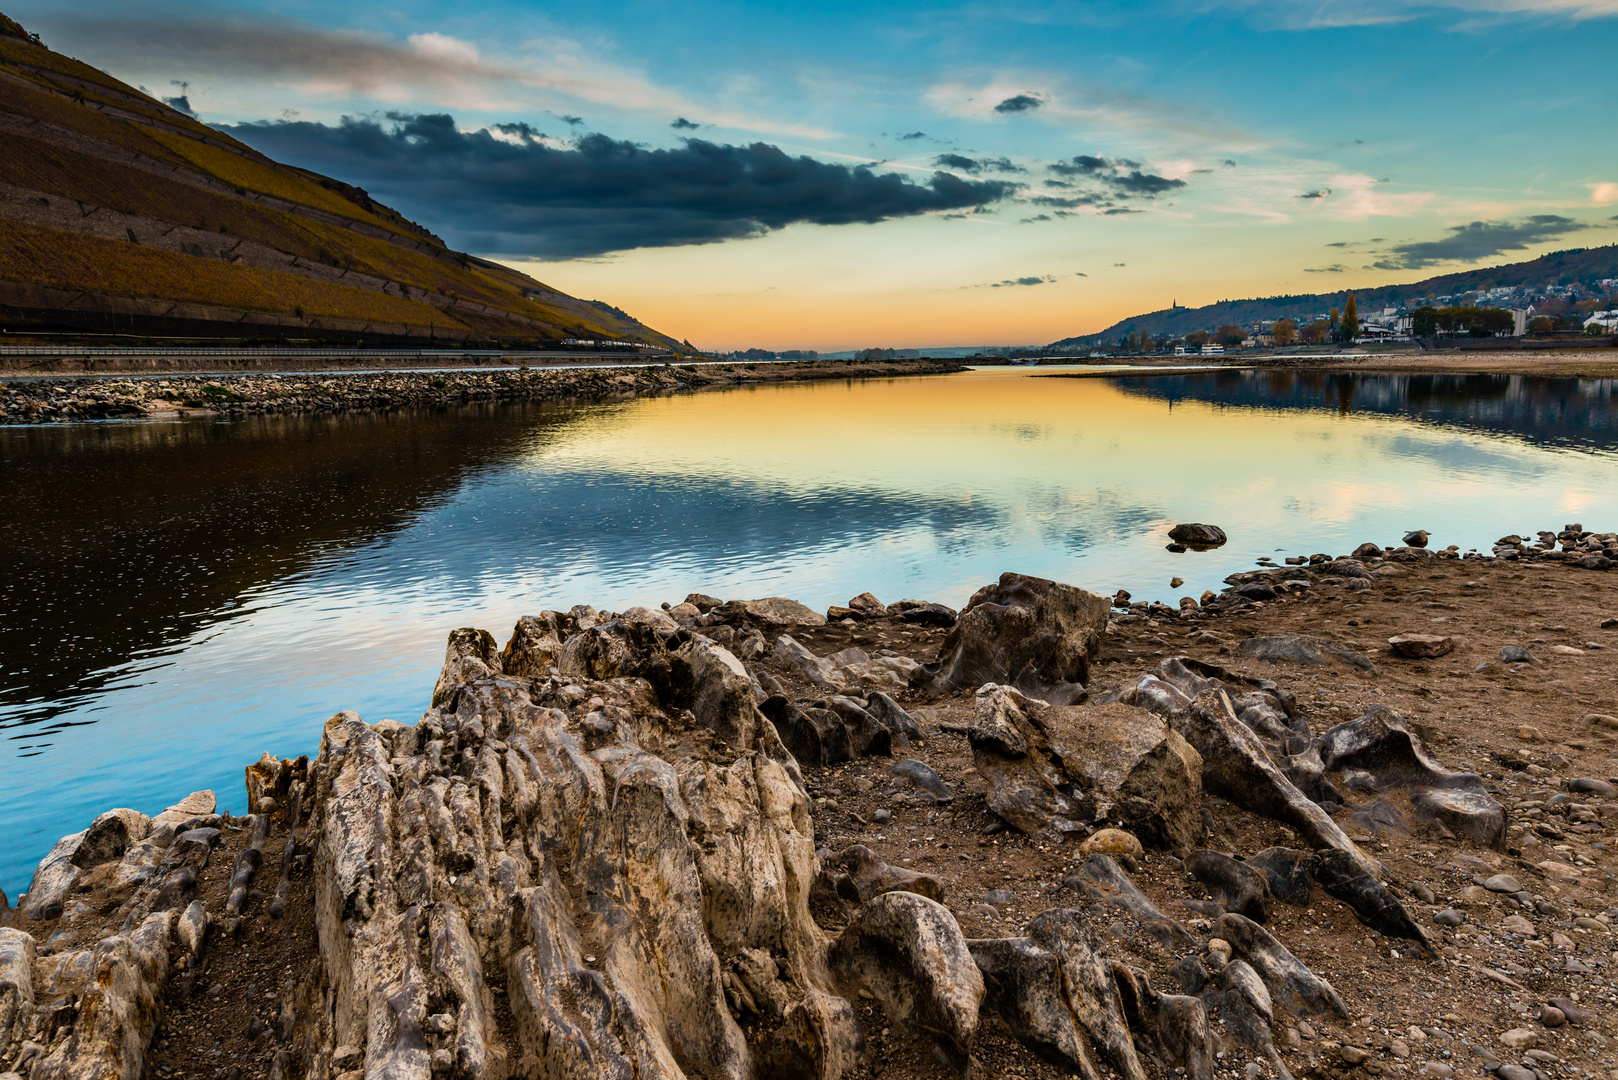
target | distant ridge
x=1572, y=265
x=121, y=213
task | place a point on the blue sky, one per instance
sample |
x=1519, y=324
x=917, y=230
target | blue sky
x=1098, y=159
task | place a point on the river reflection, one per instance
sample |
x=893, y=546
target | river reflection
x=178, y=597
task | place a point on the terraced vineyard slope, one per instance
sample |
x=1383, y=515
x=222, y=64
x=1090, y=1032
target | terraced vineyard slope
x=121, y=214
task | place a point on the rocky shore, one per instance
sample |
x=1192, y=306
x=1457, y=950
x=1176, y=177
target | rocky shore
x=56, y=400
x=1347, y=817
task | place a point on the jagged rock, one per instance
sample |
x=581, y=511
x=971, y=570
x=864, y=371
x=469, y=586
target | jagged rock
x=1052, y=768
x=892, y=715
x=1303, y=649
x=1057, y=996
x=1234, y=885
x=1103, y=879
x=816, y=737
x=1476, y=815
x=720, y=689
x=1027, y=632
x=1174, y=1024
x=1373, y=904
x=535, y=648
x=928, y=614
x=870, y=877
x=1235, y=766
x=820, y=673
x=17, y=954
x=702, y=602
x=780, y=611
x=1288, y=873
x=109, y=836
x=1290, y=983
x=619, y=648
x=867, y=734
x=471, y=654
x=54, y=880
x=1197, y=536
x=908, y=953
x=868, y=605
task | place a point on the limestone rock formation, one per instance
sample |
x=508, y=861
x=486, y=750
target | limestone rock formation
x=1027, y=632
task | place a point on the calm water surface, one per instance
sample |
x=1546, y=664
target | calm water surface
x=177, y=597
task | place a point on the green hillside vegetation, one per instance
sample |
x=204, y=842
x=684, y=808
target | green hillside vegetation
x=1580, y=265
x=73, y=132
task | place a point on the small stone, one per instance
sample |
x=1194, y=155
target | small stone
x=1515, y=1072
x=1356, y=1055
x=882, y=817
x=1552, y=1017
x=1519, y=1038
x=1112, y=842
x=1503, y=883
x=1305, y=1028
x=1530, y=733
x=1590, y=785
x=998, y=897
x=1417, y=538
x=1398, y=1048
x=1516, y=654
x=1569, y=1010
x=1175, y=583
x=1438, y=1069
x=1449, y=917
x=1423, y=892
x=1421, y=646
x=1516, y=924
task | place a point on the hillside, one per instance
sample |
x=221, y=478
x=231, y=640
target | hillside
x=119, y=213
x=1559, y=267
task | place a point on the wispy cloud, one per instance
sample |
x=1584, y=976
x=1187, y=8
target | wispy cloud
x=1479, y=240
x=1326, y=14
x=508, y=190
x=1082, y=105
x=424, y=68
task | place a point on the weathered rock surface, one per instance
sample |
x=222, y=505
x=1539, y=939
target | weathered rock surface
x=1027, y=632
x=1421, y=646
x=1303, y=649
x=1197, y=535
x=1054, y=769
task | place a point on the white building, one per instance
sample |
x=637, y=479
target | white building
x=1607, y=320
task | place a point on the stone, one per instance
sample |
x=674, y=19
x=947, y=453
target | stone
x=778, y=611
x=1519, y=1038
x=713, y=684
x=1052, y=769
x=1511, y=1071
x=1449, y=917
x=868, y=605
x=1197, y=536
x=17, y=955
x=928, y=614
x=1347, y=879
x=1503, y=883
x=196, y=804
x=1421, y=646
x=1530, y=733
x=1551, y=1016
x=1416, y=538
x=53, y=882
x=1355, y=1055
x=1516, y=924
x=908, y=953
x=871, y=877
x=1035, y=634
x=702, y=602
x=1290, y=983
x=815, y=737
x=1516, y=654
x=1591, y=786
x=923, y=777
x=1234, y=885
x=1113, y=842
x=1440, y=1069
x=1303, y=649
x=1569, y=1010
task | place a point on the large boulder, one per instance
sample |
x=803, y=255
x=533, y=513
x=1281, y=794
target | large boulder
x=1028, y=632
x=1057, y=770
x=778, y=611
x=1197, y=535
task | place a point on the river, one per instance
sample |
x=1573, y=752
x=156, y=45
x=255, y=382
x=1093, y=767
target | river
x=178, y=597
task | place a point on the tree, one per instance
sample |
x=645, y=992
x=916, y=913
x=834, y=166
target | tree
x=1541, y=325
x=1285, y=331
x=1196, y=338
x=1350, y=328
x=1595, y=329
x=1424, y=321
x=1316, y=332
x=1231, y=334
x=1334, y=318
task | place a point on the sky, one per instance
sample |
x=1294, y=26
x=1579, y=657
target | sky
x=847, y=175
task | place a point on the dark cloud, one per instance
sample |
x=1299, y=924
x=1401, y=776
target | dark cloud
x=1228, y=163
x=1479, y=240
x=913, y=135
x=506, y=192
x=1116, y=210
x=1121, y=175
x=682, y=124
x=974, y=165
x=1036, y=217
x=574, y=120
x=1338, y=244
x=1336, y=269
x=182, y=103
x=1068, y=202
x=1022, y=281
x=1080, y=273
x=1318, y=193
x=1020, y=103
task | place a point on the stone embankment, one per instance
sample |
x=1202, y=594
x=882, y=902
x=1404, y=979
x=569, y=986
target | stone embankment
x=1051, y=834
x=54, y=400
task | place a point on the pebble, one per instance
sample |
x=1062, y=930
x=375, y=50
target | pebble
x=1516, y=924
x=1449, y=917
x=997, y=897
x=1569, y=1010
x=882, y=817
x=1356, y=1055
x=1519, y=1038
x=1552, y=1017
x=1516, y=654
x=1175, y=583
x=1398, y=1048
x=1503, y=883
x=1530, y=733
x=1112, y=842
x=1423, y=893
x=1592, y=786
x=1515, y=1072
x=1438, y=1069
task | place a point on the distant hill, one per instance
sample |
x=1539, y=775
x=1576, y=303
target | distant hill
x=121, y=213
x=1559, y=267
